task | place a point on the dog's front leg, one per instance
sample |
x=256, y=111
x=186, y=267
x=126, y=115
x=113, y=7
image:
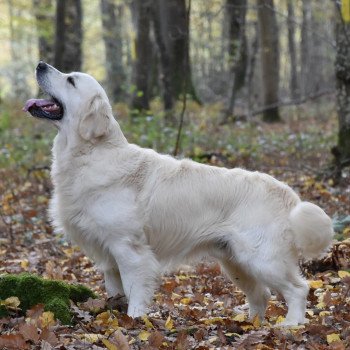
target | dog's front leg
x=139, y=270
x=113, y=282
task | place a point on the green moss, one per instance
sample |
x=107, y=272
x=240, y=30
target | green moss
x=60, y=308
x=32, y=290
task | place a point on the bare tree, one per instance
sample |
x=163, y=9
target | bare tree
x=237, y=48
x=44, y=16
x=112, y=35
x=69, y=35
x=342, y=69
x=269, y=53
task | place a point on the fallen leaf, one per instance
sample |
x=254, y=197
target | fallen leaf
x=239, y=318
x=332, y=338
x=156, y=339
x=11, y=303
x=109, y=345
x=49, y=336
x=169, y=324
x=121, y=340
x=29, y=332
x=316, y=284
x=343, y=274
x=144, y=335
x=47, y=319
x=13, y=342
x=147, y=322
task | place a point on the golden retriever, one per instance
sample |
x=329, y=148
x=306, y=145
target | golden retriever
x=136, y=212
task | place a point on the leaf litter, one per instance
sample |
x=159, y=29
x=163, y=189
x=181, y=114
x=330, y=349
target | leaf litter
x=195, y=308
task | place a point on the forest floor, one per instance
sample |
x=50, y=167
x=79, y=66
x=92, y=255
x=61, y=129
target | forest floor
x=196, y=307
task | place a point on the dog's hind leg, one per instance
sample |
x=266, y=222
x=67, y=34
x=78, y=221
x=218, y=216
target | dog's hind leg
x=257, y=293
x=139, y=270
x=294, y=288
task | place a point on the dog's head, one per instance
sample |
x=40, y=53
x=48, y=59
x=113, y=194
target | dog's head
x=76, y=101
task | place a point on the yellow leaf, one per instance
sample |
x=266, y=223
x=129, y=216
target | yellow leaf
x=321, y=305
x=316, y=284
x=12, y=302
x=280, y=319
x=256, y=321
x=247, y=327
x=24, y=264
x=91, y=337
x=209, y=321
x=144, y=335
x=47, y=319
x=147, y=322
x=185, y=301
x=103, y=316
x=343, y=274
x=332, y=338
x=109, y=345
x=169, y=324
x=239, y=318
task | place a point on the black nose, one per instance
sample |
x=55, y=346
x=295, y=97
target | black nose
x=41, y=66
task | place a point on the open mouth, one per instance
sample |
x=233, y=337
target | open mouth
x=42, y=108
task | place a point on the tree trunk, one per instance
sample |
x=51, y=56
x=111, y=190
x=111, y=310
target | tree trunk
x=140, y=99
x=164, y=60
x=236, y=13
x=294, y=84
x=112, y=36
x=44, y=16
x=174, y=29
x=342, y=69
x=69, y=35
x=306, y=48
x=269, y=51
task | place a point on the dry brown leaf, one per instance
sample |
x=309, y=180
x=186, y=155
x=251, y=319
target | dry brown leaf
x=156, y=339
x=29, y=332
x=13, y=342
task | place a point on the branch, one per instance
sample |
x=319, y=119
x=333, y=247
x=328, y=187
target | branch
x=294, y=102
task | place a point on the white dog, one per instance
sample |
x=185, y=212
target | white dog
x=135, y=211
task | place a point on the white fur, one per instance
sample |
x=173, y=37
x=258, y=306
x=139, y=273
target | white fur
x=135, y=211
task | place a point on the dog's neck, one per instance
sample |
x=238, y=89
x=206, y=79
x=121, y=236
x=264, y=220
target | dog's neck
x=69, y=144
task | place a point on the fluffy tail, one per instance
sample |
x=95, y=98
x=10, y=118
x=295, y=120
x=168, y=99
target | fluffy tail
x=312, y=229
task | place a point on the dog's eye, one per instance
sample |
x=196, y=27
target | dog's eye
x=71, y=81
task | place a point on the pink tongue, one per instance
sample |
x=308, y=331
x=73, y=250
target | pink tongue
x=36, y=102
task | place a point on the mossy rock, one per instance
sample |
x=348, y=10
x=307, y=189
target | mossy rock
x=32, y=290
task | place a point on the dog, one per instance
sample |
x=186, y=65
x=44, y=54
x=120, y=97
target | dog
x=136, y=212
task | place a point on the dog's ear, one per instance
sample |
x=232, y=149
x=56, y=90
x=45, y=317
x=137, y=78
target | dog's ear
x=95, y=123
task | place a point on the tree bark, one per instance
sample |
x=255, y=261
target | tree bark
x=306, y=48
x=236, y=13
x=269, y=53
x=342, y=70
x=69, y=35
x=112, y=35
x=294, y=83
x=174, y=32
x=164, y=59
x=44, y=16
x=140, y=100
